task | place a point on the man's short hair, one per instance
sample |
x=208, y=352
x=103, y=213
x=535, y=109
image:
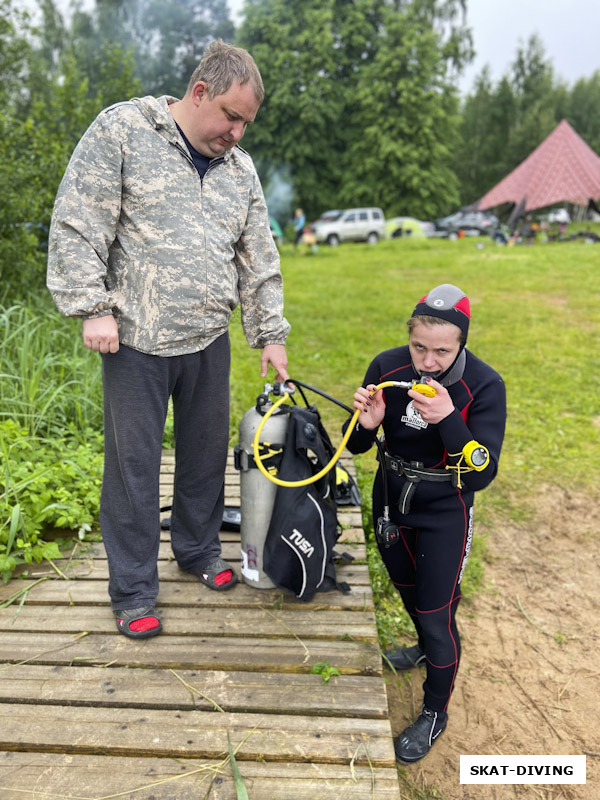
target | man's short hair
x=221, y=65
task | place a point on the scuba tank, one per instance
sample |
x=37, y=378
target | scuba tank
x=257, y=493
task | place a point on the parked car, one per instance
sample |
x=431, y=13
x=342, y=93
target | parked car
x=473, y=223
x=327, y=216
x=351, y=225
x=408, y=226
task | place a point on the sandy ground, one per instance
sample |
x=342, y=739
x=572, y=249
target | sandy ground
x=529, y=681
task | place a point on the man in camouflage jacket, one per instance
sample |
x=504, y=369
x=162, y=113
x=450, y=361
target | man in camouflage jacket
x=159, y=229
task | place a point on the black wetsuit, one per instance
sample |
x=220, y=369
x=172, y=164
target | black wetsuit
x=427, y=563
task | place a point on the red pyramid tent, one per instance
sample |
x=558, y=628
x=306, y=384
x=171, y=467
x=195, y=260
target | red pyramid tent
x=563, y=168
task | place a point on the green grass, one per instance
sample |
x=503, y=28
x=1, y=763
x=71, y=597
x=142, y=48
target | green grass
x=49, y=382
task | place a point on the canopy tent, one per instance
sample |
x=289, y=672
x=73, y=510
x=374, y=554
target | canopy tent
x=404, y=226
x=563, y=168
x=276, y=231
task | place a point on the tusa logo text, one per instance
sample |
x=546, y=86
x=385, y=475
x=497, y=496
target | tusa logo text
x=302, y=544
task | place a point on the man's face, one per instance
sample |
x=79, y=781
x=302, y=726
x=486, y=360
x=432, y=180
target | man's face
x=219, y=123
x=433, y=348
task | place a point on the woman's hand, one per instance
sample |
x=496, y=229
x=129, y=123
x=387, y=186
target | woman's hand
x=371, y=405
x=432, y=409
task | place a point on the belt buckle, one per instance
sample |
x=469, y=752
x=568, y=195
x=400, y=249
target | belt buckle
x=411, y=476
x=409, y=471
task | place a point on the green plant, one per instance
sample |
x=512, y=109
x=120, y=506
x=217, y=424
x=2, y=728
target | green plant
x=415, y=792
x=325, y=670
x=241, y=792
x=44, y=485
x=49, y=383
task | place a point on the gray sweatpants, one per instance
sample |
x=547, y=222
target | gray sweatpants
x=137, y=387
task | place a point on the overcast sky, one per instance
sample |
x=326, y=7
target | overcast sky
x=569, y=30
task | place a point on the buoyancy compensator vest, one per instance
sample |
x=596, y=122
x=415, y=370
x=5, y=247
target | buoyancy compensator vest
x=298, y=553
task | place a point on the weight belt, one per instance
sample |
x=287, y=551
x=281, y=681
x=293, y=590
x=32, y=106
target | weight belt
x=413, y=471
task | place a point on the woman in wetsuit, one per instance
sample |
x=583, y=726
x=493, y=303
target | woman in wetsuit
x=431, y=479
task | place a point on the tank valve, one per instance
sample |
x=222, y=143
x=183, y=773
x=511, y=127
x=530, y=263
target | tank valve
x=282, y=388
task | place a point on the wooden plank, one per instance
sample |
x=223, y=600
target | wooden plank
x=253, y=654
x=49, y=776
x=322, y=624
x=97, y=570
x=348, y=516
x=179, y=593
x=348, y=535
x=343, y=695
x=231, y=551
x=168, y=458
x=195, y=734
x=80, y=705
x=232, y=491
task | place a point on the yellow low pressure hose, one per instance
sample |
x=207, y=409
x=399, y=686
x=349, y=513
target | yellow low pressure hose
x=422, y=388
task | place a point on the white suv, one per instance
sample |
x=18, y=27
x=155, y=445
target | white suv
x=351, y=225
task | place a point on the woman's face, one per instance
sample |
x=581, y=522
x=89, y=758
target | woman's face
x=433, y=348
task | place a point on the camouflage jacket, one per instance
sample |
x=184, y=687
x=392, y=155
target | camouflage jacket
x=136, y=233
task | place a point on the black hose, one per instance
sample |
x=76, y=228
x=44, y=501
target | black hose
x=323, y=394
x=384, y=476
x=378, y=442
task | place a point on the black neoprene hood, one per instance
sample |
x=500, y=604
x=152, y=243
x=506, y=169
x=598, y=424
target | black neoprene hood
x=447, y=302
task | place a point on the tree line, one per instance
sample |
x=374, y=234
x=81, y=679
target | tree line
x=362, y=105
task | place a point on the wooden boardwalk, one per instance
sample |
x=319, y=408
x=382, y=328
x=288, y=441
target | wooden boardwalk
x=87, y=714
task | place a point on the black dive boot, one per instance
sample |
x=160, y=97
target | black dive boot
x=406, y=657
x=417, y=740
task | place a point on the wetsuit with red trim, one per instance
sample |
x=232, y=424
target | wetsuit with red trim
x=427, y=563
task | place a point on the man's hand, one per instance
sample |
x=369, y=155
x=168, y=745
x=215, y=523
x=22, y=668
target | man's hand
x=275, y=355
x=101, y=334
x=371, y=405
x=433, y=409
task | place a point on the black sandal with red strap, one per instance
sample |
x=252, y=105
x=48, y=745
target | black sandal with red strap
x=218, y=576
x=145, y=622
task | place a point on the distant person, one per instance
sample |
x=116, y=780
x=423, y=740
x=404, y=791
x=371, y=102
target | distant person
x=299, y=223
x=430, y=495
x=159, y=227
x=525, y=231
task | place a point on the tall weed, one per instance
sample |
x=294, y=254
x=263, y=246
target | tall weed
x=49, y=382
x=50, y=433
x=45, y=485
